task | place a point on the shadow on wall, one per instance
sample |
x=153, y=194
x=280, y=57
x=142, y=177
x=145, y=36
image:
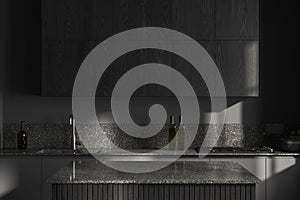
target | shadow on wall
x=4, y=55
x=283, y=178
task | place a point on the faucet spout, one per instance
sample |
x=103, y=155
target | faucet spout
x=71, y=120
x=72, y=123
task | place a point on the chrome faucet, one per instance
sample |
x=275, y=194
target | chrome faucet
x=72, y=123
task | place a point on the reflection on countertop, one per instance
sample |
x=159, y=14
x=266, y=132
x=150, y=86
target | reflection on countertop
x=131, y=152
x=198, y=172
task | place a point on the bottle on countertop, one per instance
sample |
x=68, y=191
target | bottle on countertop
x=172, y=133
x=22, y=137
x=181, y=134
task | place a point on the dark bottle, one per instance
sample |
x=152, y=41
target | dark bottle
x=172, y=134
x=22, y=137
x=180, y=132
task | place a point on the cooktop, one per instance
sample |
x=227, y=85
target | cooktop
x=237, y=149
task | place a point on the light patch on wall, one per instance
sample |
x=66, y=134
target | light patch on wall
x=251, y=64
x=234, y=114
x=105, y=117
x=8, y=178
x=276, y=166
x=1, y=120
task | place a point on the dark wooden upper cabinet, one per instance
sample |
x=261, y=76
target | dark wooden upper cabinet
x=237, y=19
x=227, y=29
x=77, y=20
x=61, y=60
x=195, y=18
x=238, y=64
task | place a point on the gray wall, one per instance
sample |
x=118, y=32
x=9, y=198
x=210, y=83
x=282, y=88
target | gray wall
x=45, y=109
x=4, y=53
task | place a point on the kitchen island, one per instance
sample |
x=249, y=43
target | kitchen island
x=181, y=180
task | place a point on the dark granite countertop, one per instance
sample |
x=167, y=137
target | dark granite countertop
x=17, y=152
x=84, y=152
x=198, y=172
x=262, y=154
x=141, y=152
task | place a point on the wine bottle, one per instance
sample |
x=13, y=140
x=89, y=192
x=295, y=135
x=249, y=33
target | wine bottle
x=22, y=137
x=172, y=134
x=181, y=134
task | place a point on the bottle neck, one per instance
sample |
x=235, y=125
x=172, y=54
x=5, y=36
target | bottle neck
x=22, y=125
x=180, y=120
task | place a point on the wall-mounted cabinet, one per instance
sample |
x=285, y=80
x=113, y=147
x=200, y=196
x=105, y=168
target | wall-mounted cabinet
x=227, y=29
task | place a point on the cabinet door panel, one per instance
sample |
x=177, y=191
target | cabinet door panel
x=116, y=70
x=144, y=13
x=76, y=19
x=60, y=62
x=157, y=57
x=238, y=63
x=98, y=22
x=62, y=20
x=195, y=18
x=257, y=167
x=129, y=14
x=190, y=73
x=71, y=28
x=237, y=19
x=49, y=19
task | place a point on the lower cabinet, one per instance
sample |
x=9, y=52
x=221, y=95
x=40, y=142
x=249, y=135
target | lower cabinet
x=283, y=178
x=51, y=165
x=256, y=166
x=20, y=178
x=153, y=191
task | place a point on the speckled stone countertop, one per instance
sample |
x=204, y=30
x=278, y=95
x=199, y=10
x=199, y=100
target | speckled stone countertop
x=253, y=154
x=98, y=152
x=210, y=172
x=141, y=152
x=17, y=152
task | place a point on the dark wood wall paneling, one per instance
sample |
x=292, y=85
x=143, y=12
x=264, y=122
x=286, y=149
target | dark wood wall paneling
x=228, y=30
x=152, y=192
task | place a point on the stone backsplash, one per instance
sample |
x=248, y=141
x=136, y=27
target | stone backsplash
x=56, y=136
x=59, y=136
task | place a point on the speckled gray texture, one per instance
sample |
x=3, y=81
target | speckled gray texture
x=191, y=153
x=232, y=135
x=210, y=172
x=39, y=136
x=58, y=136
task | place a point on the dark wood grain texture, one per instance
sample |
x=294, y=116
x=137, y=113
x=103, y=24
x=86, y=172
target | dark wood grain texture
x=227, y=29
x=190, y=73
x=238, y=63
x=158, y=57
x=195, y=18
x=76, y=19
x=237, y=19
x=49, y=19
x=60, y=63
x=129, y=14
x=145, y=13
x=151, y=192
